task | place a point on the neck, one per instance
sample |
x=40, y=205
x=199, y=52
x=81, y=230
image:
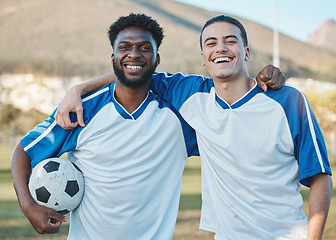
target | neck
x=130, y=98
x=232, y=91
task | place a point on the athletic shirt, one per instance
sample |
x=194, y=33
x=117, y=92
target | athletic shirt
x=132, y=165
x=255, y=154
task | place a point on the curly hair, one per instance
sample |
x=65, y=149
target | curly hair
x=136, y=20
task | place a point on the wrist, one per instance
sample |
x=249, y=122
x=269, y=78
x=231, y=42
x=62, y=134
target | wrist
x=78, y=90
x=26, y=204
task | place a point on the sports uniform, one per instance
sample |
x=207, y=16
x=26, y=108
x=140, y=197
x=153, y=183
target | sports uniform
x=255, y=155
x=132, y=165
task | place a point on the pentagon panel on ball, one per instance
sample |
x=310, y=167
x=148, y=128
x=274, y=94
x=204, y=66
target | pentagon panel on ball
x=58, y=184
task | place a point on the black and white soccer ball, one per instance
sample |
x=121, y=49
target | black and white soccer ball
x=58, y=184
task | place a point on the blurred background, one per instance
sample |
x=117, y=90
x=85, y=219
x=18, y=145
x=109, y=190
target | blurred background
x=48, y=46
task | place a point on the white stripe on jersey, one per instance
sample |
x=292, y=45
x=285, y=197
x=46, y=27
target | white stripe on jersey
x=95, y=94
x=45, y=133
x=312, y=131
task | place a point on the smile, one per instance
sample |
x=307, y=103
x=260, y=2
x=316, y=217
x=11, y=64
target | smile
x=133, y=67
x=222, y=59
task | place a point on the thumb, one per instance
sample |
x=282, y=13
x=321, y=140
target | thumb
x=261, y=82
x=264, y=86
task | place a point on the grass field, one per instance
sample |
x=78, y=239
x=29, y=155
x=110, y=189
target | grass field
x=14, y=226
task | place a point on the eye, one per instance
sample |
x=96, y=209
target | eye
x=210, y=44
x=231, y=41
x=146, y=48
x=123, y=47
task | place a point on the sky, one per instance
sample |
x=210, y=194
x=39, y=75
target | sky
x=296, y=18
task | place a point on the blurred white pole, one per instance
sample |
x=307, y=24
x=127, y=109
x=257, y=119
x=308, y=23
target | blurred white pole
x=276, y=56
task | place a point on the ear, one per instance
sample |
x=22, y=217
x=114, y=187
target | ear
x=112, y=57
x=247, y=54
x=158, y=59
x=203, y=64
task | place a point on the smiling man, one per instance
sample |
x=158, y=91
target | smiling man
x=132, y=150
x=256, y=147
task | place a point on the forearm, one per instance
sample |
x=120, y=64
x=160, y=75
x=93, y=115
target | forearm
x=95, y=84
x=319, y=202
x=21, y=170
x=40, y=217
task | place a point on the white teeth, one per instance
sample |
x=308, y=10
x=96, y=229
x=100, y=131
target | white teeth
x=133, y=67
x=222, y=59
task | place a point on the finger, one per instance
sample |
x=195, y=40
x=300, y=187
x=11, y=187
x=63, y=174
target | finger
x=56, y=116
x=68, y=125
x=260, y=81
x=278, y=79
x=262, y=85
x=59, y=119
x=267, y=72
x=57, y=217
x=264, y=76
x=281, y=80
x=53, y=226
x=275, y=76
x=80, y=118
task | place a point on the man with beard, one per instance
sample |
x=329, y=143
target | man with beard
x=131, y=152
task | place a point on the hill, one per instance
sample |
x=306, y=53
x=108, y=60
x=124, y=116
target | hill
x=68, y=37
x=324, y=36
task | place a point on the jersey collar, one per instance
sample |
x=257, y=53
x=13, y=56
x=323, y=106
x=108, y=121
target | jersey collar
x=136, y=113
x=250, y=94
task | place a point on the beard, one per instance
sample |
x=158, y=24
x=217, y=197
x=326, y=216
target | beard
x=135, y=83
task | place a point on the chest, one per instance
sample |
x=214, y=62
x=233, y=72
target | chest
x=255, y=131
x=112, y=147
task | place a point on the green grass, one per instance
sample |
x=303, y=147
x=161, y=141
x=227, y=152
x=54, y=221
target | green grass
x=14, y=226
x=5, y=156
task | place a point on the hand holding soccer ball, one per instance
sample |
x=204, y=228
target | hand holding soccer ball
x=58, y=184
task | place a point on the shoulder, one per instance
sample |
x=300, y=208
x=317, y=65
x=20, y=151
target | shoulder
x=94, y=102
x=286, y=93
x=100, y=93
x=180, y=77
x=286, y=89
x=180, y=82
x=98, y=98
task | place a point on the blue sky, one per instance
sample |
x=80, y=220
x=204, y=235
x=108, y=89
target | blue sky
x=296, y=18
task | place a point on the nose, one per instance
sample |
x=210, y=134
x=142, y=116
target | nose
x=221, y=47
x=134, y=53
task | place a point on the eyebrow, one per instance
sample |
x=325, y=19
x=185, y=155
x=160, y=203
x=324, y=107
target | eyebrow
x=140, y=42
x=226, y=37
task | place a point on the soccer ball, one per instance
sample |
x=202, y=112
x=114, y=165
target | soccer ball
x=58, y=184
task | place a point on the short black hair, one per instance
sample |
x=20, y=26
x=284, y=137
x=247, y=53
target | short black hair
x=228, y=19
x=136, y=20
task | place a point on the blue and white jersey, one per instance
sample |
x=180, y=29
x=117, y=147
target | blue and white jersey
x=254, y=155
x=132, y=165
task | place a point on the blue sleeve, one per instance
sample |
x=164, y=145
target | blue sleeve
x=48, y=140
x=311, y=150
x=309, y=146
x=177, y=88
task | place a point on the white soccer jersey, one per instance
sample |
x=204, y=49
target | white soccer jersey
x=254, y=154
x=132, y=165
